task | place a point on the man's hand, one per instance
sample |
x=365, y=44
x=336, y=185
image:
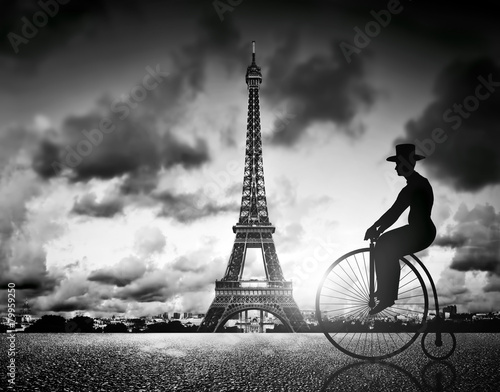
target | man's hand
x=372, y=233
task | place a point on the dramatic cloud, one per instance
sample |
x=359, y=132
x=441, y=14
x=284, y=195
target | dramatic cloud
x=122, y=274
x=493, y=284
x=188, y=274
x=61, y=24
x=460, y=288
x=458, y=131
x=106, y=208
x=134, y=146
x=136, y=135
x=188, y=207
x=476, y=240
x=134, y=280
x=23, y=234
x=458, y=26
x=452, y=288
x=320, y=89
x=76, y=293
x=220, y=41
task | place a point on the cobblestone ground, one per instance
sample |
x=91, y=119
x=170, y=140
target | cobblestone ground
x=237, y=362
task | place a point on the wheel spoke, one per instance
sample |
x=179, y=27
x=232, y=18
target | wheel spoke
x=352, y=288
x=407, y=282
x=367, y=292
x=412, y=296
x=357, y=298
x=358, y=290
x=343, y=298
x=406, y=291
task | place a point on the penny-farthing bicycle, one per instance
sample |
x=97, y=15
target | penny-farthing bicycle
x=346, y=294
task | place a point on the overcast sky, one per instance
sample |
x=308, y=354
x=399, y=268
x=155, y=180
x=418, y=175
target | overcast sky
x=122, y=141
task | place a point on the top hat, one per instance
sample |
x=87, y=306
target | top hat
x=406, y=152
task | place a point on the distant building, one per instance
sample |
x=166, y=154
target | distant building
x=482, y=316
x=451, y=310
x=99, y=324
x=26, y=313
x=176, y=316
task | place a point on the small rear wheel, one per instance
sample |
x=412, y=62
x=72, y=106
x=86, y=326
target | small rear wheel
x=439, y=349
x=342, y=306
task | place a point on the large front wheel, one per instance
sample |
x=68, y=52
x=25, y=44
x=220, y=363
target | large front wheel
x=342, y=306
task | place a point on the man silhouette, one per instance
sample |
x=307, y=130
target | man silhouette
x=417, y=235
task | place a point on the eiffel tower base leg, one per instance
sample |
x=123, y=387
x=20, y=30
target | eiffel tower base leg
x=282, y=306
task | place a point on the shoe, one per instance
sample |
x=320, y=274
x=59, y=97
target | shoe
x=381, y=306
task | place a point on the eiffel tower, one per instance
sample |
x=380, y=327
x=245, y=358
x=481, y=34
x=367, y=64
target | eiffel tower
x=253, y=230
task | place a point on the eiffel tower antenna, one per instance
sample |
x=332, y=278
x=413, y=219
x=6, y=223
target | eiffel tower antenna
x=253, y=230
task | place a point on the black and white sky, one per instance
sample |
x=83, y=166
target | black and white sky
x=123, y=128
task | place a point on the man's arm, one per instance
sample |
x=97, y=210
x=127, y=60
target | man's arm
x=387, y=220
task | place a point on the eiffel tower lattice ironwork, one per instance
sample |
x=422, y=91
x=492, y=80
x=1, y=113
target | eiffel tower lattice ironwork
x=253, y=230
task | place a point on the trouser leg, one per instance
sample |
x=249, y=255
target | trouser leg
x=387, y=266
x=390, y=247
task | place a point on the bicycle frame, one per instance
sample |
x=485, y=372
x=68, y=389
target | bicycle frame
x=438, y=341
x=371, y=303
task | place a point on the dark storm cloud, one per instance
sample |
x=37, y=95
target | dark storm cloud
x=456, y=25
x=32, y=284
x=107, y=208
x=23, y=257
x=320, y=89
x=93, y=301
x=189, y=273
x=134, y=146
x=493, y=284
x=27, y=36
x=452, y=288
x=150, y=289
x=72, y=305
x=459, y=131
x=188, y=207
x=476, y=239
x=122, y=274
x=142, y=181
x=138, y=144
x=451, y=241
x=75, y=292
x=216, y=40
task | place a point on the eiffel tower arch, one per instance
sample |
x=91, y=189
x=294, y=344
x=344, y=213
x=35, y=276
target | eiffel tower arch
x=253, y=230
